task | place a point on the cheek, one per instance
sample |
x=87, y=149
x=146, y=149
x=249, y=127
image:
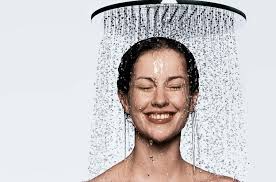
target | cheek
x=139, y=100
x=180, y=100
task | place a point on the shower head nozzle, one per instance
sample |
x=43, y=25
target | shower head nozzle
x=147, y=2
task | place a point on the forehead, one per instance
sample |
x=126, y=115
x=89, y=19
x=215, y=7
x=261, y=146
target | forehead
x=161, y=62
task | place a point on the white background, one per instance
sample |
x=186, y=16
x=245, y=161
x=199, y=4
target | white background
x=48, y=51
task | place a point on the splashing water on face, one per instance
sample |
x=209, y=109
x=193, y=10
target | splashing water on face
x=158, y=67
x=213, y=138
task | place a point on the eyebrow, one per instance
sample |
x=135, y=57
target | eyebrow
x=168, y=79
x=175, y=77
x=146, y=78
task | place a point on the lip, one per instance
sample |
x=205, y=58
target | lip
x=160, y=121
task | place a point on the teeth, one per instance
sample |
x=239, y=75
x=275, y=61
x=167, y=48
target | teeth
x=159, y=116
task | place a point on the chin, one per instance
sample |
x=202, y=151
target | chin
x=161, y=138
x=168, y=139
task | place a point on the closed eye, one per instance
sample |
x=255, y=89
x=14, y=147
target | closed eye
x=175, y=88
x=145, y=88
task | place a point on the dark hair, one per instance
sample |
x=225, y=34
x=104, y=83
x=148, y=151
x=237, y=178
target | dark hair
x=155, y=43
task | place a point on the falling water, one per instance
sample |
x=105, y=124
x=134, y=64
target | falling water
x=194, y=134
x=216, y=140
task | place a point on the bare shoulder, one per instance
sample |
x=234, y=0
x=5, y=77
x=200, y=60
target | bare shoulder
x=106, y=176
x=225, y=179
x=217, y=178
x=205, y=176
x=211, y=177
x=113, y=174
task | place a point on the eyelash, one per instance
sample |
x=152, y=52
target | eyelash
x=145, y=88
x=175, y=88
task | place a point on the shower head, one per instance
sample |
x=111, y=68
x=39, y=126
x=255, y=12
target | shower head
x=148, y=2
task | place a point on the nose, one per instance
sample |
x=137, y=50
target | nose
x=160, y=99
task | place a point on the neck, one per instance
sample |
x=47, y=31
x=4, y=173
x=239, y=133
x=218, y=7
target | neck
x=156, y=159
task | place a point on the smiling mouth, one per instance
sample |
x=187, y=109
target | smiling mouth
x=160, y=118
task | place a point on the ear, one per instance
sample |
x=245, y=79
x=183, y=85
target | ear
x=124, y=101
x=193, y=101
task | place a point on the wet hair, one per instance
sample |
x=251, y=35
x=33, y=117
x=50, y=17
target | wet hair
x=151, y=44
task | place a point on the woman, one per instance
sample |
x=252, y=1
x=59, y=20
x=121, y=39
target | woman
x=158, y=89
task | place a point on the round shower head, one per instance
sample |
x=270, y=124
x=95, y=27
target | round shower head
x=147, y=2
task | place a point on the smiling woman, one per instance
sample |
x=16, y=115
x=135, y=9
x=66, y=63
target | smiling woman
x=158, y=97
x=158, y=89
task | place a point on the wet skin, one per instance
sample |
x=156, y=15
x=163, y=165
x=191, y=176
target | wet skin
x=159, y=97
x=159, y=102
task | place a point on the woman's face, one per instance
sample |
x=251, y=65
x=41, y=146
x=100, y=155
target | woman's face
x=159, y=101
